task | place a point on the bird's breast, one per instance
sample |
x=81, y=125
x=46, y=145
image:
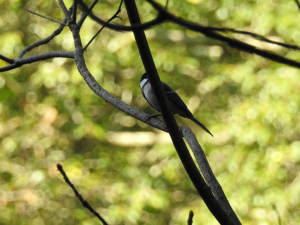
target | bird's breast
x=150, y=97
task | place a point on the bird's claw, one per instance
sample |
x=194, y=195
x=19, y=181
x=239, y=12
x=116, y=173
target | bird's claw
x=152, y=116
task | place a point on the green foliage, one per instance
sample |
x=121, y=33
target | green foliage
x=129, y=172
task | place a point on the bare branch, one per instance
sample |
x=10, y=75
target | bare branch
x=121, y=27
x=207, y=172
x=8, y=60
x=164, y=16
x=67, y=14
x=39, y=57
x=86, y=13
x=113, y=17
x=232, y=42
x=46, y=17
x=81, y=199
x=199, y=183
x=256, y=36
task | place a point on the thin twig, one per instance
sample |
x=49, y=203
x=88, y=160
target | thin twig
x=8, y=60
x=86, y=13
x=39, y=57
x=113, y=17
x=67, y=14
x=256, y=36
x=46, y=17
x=190, y=219
x=81, y=199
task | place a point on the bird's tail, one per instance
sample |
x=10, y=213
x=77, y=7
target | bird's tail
x=200, y=124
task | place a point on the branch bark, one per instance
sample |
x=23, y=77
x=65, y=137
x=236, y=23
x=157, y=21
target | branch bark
x=187, y=161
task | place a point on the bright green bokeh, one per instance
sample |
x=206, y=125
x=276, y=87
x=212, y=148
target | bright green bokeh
x=128, y=171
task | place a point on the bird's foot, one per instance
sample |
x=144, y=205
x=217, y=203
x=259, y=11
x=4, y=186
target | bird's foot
x=152, y=116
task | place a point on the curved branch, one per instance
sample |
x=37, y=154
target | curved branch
x=86, y=13
x=39, y=57
x=164, y=16
x=207, y=31
x=207, y=172
x=256, y=36
x=45, y=17
x=117, y=27
x=197, y=179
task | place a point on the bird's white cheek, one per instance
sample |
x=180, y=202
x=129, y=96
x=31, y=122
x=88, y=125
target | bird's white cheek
x=143, y=82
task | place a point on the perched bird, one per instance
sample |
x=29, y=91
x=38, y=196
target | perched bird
x=176, y=103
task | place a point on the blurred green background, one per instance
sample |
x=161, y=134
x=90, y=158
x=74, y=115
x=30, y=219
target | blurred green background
x=128, y=171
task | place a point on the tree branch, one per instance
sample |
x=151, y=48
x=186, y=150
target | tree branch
x=35, y=58
x=164, y=16
x=8, y=60
x=46, y=17
x=207, y=172
x=67, y=14
x=81, y=199
x=75, y=5
x=170, y=121
x=86, y=13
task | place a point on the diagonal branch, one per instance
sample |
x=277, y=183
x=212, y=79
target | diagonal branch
x=86, y=13
x=207, y=172
x=67, y=14
x=81, y=199
x=113, y=17
x=232, y=42
x=46, y=17
x=8, y=60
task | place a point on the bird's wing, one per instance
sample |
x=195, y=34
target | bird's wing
x=173, y=96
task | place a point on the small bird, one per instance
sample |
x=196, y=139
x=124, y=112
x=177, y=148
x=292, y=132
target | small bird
x=176, y=103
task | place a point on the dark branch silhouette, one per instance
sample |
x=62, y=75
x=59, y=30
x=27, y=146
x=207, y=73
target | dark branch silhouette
x=212, y=194
x=80, y=198
x=164, y=16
